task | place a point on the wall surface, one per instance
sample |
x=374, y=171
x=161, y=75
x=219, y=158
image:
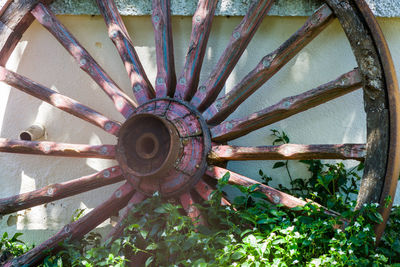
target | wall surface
x=40, y=57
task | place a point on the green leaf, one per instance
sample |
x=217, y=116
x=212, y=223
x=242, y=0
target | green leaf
x=200, y=263
x=396, y=245
x=152, y=246
x=254, y=187
x=285, y=137
x=144, y=233
x=277, y=213
x=133, y=226
x=15, y=237
x=240, y=200
x=258, y=194
x=266, y=221
x=116, y=246
x=306, y=219
x=377, y=217
x=360, y=166
x=149, y=261
x=278, y=164
x=279, y=241
x=237, y=255
x=225, y=178
x=160, y=210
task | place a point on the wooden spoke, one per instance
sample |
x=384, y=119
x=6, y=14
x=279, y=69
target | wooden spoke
x=86, y=62
x=58, y=100
x=288, y=151
x=205, y=190
x=55, y=192
x=273, y=195
x=117, y=32
x=117, y=231
x=201, y=27
x=269, y=65
x=287, y=107
x=57, y=149
x=192, y=211
x=241, y=36
x=77, y=229
x=166, y=77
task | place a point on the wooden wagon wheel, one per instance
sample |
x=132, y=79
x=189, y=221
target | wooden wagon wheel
x=174, y=137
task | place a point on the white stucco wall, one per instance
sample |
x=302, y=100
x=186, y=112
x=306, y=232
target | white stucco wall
x=40, y=57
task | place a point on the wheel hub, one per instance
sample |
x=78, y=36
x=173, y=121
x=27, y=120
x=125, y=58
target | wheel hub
x=162, y=147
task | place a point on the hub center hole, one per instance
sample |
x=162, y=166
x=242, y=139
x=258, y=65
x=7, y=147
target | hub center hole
x=147, y=146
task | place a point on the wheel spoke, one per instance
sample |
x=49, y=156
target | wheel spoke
x=288, y=151
x=205, y=190
x=57, y=149
x=86, y=62
x=269, y=65
x=58, y=100
x=287, y=107
x=77, y=229
x=192, y=211
x=117, y=32
x=117, y=231
x=273, y=195
x=201, y=27
x=166, y=77
x=241, y=36
x=54, y=192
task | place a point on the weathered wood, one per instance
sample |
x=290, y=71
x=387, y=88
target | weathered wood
x=241, y=37
x=201, y=28
x=118, y=230
x=192, y=211
x=392, y=87
x=58, y=100
x=268, y=66
x=77, y=229
x=16, y=12
x=375, y=100
x=3, y=6
x=58, y=191
x=14, y=21
x=86, y=62
x=118, y=33
x=287, y=107
x=57, y=149
x=166, y=77
x=205, y=190
x=272, y=195
x=288, y=151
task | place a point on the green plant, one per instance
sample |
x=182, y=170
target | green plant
x=250, y=232
x=11, y=247
x=331, y=185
